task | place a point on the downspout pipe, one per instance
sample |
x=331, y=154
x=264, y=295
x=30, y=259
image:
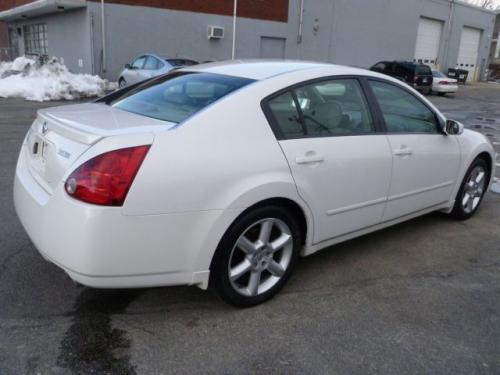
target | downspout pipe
x=103, y=39
x=233, y=50
x=301, y=22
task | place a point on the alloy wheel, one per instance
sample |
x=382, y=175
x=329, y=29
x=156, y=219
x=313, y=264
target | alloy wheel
x=474, y=189
x=260, y=257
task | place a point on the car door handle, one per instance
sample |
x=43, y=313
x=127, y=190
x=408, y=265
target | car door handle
x=309, y=158
x=403, y=151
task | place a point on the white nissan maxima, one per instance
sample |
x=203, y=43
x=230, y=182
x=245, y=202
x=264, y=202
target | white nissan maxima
x=223, y=174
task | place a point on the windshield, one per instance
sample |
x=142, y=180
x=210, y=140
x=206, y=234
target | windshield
x=437, y=74
x=176, y=96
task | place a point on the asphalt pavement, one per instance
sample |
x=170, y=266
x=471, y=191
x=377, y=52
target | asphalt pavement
x=420, y=297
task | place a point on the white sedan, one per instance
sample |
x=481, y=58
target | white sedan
x=442, y=85
x=224, y=174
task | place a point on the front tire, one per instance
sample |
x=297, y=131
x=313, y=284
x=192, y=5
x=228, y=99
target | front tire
x=122, y=83
x=472, y=190
x=256, y=256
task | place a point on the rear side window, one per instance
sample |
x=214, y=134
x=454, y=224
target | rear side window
x=137, y=64
x=327, y=108
x=152, y=63
x=286, y=115
x=174, y=97
x=403, y=113
x=423, y=70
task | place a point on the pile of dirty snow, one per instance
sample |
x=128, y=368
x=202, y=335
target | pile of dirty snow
x=29, y=79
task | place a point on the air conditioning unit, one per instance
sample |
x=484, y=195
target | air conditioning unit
x=215, y=32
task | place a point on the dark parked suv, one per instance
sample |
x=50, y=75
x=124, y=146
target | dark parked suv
x=417, y=75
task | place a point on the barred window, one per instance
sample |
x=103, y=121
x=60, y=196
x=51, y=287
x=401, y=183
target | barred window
x=35, y=39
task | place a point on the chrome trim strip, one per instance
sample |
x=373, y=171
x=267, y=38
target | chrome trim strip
x=419, y=191
x=355, y=206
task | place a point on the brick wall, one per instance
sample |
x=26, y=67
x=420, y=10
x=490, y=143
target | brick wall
x=273, y=10
x=4, y=42
x=7, y=4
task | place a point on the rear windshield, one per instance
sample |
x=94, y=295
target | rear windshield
x=437, y=74
x=423, y=70
x=181, y=62
x=174, y=97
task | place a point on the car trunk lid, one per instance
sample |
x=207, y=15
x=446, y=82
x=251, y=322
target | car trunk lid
x=60, y=135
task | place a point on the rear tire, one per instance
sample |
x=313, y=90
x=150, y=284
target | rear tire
x=256, y=256
x=472, y=190
x=441, y=93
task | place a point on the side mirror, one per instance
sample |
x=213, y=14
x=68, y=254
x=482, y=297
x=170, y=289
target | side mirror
x=454, y=127
x=128, y=66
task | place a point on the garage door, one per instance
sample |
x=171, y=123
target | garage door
x=468, y=51
x=428, y=41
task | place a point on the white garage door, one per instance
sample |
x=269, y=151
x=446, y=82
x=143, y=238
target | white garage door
x=468, y=51
x=428, y=41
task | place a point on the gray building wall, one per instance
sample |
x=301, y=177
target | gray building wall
x=351, y=32
x=68, y=36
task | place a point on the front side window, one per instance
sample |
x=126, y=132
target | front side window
x=403, y=112
x=35, y=39
x=327, y=108
x=174, y=97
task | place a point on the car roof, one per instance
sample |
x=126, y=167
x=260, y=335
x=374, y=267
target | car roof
x=412, y=64
x=264, y=69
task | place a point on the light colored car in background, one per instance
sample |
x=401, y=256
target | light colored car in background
x=223, y=174
x=148, y=66
x=442, y=85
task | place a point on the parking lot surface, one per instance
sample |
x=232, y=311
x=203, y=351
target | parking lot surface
x=420, y=297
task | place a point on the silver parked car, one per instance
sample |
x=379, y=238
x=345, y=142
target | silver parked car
x=148, y=66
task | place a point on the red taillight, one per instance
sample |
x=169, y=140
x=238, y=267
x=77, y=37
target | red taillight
x=106, y=178
x=443, y=82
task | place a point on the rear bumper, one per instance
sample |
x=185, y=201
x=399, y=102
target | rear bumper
x=423, y=88
x=445, y=88
x=101, y=247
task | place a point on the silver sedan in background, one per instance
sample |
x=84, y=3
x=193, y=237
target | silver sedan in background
x=148, y=66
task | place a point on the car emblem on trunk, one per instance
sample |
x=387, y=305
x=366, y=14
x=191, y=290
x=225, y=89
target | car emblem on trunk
x=45, y=127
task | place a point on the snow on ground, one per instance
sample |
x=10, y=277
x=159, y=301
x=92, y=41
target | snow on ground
x=26, y=78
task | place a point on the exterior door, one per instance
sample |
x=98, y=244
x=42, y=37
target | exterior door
x=425, y=161
x=272, y=48
x=132, y=75
x=150, y=68
x=340, y=164
x=468, y=51
x=428, y=41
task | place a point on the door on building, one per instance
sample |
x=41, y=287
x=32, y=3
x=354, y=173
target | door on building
x=428, y=42
x=272, y=48
x=468, y=52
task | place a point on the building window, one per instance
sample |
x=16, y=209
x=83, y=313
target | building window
x=35, y=39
